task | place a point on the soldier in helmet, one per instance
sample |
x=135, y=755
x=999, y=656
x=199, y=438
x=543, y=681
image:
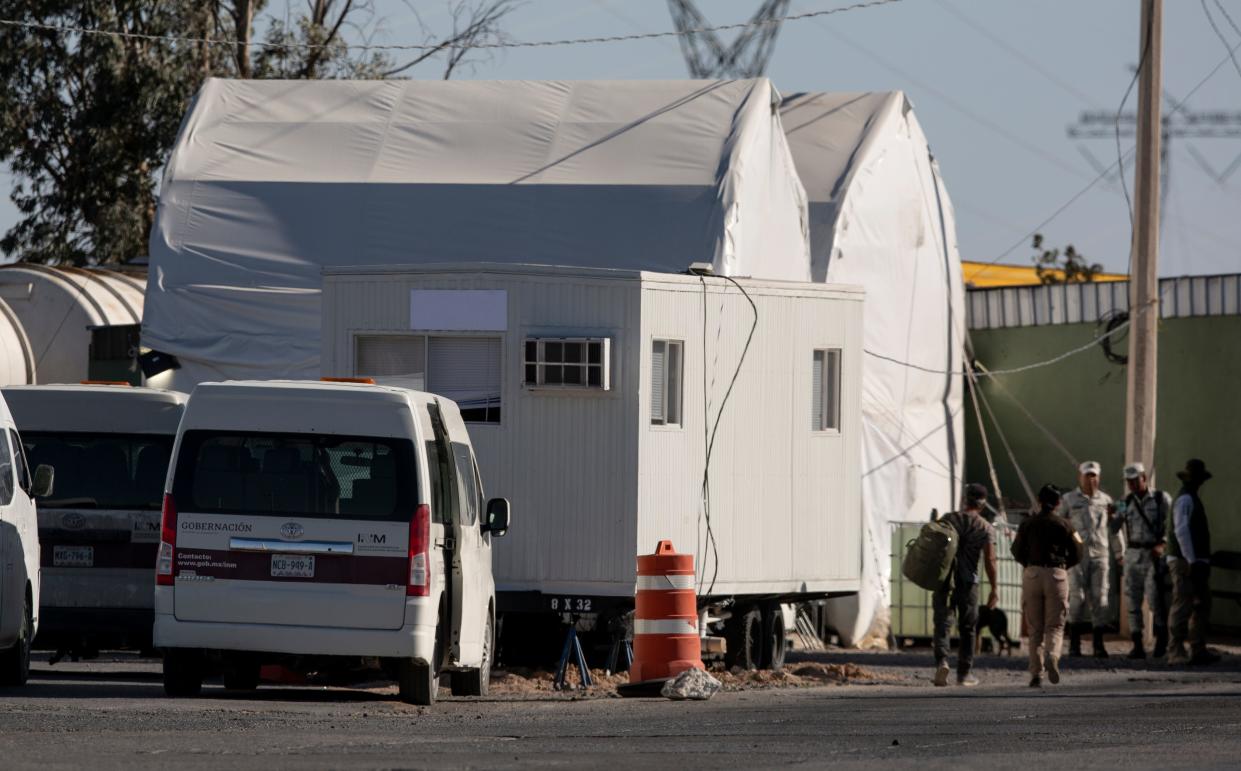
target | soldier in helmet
x=1088, y=510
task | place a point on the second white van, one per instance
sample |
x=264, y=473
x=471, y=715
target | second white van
x=319, y=524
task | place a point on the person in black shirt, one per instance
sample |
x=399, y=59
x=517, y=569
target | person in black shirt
x=959, y=593
x=1046, y=546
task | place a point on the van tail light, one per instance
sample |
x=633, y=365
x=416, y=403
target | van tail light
x=165, y=562
x=420, y=553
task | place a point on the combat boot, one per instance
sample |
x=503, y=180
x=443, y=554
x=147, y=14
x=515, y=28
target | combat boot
x=1177, y=653
x=1075, y=640
x=1139, y=650
x=1161, y=642
x=1100, y=650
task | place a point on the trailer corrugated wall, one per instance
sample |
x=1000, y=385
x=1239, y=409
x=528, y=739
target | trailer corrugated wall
x=786, y=518
x=585, y=540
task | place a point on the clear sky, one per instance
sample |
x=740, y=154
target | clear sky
x=995, y=83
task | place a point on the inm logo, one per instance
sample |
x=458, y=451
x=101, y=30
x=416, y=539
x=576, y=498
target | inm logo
x=372, y=538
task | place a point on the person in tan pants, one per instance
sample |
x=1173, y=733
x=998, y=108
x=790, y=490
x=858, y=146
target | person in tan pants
x=1046, y=546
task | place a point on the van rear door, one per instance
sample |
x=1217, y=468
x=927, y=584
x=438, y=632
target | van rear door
x=296, y=529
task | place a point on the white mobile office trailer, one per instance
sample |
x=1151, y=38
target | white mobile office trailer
x=591, y=394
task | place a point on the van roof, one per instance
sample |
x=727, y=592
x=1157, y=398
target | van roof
x=359, y=390
x=300, y=406
x=95, y=408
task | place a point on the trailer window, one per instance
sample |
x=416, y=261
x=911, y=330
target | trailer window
x=465, y=369
x=825, y=390
x=666, y=382
x=567, y=362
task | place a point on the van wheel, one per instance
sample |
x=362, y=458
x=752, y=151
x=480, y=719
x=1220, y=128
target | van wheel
x=241, y=673
x=15, y=662
x=744, y=635
x=183, y=672
x=417, y=682
x=477, y=682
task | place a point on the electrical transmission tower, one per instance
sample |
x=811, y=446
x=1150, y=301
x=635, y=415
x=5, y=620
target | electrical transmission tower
x=1178, y=123
x=747, y=56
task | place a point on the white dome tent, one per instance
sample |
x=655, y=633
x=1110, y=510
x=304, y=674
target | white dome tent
x=880, y=217
x=57, y=308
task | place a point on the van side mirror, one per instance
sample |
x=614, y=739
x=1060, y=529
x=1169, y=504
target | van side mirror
x=44, y=477
x=497, y=517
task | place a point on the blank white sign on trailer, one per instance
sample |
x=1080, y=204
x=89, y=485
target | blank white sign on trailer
x=458, y=310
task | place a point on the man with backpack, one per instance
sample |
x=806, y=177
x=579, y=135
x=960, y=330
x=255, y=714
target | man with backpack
x=1046, y=546
x=1140, y=520
x=959, y=592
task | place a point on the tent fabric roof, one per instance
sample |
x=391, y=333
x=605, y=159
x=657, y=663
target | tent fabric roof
x=270, y=181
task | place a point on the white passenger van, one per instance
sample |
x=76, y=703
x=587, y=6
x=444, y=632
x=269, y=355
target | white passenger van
x=319, y=524
x=19, y=552
x=99, y=529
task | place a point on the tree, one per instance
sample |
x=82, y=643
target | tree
x=1069, y=267
x=87, y=120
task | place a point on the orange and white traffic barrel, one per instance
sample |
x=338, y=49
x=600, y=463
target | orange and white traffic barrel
x=665, y=625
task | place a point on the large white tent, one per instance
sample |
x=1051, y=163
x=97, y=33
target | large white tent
x=270, y=181
x=880, y=217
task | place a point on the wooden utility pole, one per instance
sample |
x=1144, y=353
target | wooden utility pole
x=1144, y=274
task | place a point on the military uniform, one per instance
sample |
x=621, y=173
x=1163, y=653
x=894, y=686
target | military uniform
x=1088, y=582
x=1142, y=521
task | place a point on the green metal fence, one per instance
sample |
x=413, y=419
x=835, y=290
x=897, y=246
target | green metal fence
x=911, y=614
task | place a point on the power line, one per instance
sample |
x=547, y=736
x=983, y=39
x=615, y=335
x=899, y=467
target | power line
x=953, y=104
x=1018, y=54
x=1014, y=370
x=1106, y=172
x=69, y=29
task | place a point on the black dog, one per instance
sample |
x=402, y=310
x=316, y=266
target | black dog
x=995, y=621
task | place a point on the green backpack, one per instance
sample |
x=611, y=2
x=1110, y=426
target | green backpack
x=929, y=557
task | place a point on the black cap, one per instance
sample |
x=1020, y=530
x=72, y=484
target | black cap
x=1049, y=495
x=975, y=493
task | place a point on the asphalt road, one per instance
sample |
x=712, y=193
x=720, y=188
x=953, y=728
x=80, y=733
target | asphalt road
x=113, y=715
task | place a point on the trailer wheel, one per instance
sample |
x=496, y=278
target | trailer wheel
x=744, y=634
x=775, y=645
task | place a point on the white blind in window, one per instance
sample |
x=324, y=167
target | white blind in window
x=465, y=369
x=816, y=392
x=673, y=397
x=832, y=409
x=392, y=356
x=658, y=381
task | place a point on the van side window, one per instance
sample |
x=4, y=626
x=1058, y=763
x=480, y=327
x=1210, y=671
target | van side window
x=19, y=454
x=6, y=472
x=465, y=477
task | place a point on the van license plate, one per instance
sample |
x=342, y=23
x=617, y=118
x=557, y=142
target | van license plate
x=292, y=566
x=73, y=556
